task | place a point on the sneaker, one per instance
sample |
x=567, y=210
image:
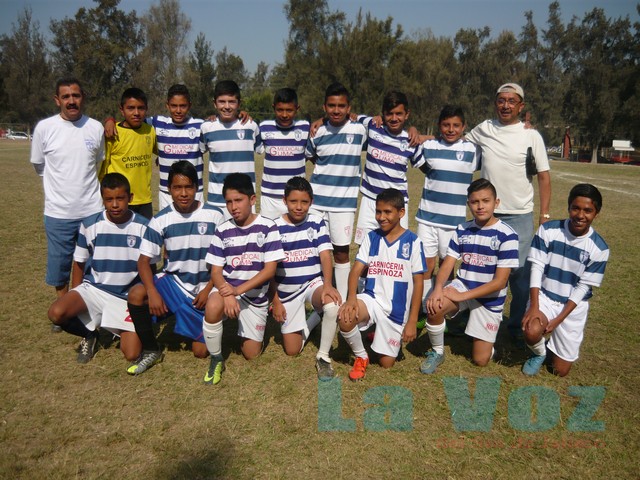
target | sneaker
x=216, y=367
x=147, y=360
x=533, y=364
x=432, y=361
x=55, y=328
x=359, y=369
x=325, y=370
x=87, y=348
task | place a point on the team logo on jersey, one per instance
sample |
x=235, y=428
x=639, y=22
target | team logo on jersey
x=405, y=251
x=148, y=139
x=131, y=240
x=283, y=238
x=161, y=131
x=227, y=242
x=465, y=239
x=297, y=134
x=268, y=136
x=495, y=243
x=376, y=136
x=584, y=257
x=90, y=144
x=460, y=156
x=404, y=145
x=193, y=133
x=350, y=138
x=311, y=234
x=202, y=228
x=240, y=134
x=260, y=239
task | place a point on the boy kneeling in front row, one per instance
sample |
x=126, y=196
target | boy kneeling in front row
x=393, y=288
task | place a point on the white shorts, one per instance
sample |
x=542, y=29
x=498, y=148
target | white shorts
x=252, y=320
x=104, y=310
x=388, y=337
x=435, y=240
x=296, y=314
x=483, y=323
x=340, y=225
x=367, y=218
x=566, y=338
x=272, y=207
x=164, y=199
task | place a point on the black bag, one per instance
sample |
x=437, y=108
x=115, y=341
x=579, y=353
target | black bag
x=530, y=163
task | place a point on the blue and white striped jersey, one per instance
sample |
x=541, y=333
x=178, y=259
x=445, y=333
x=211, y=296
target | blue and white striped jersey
x=186, y=238
x=243, y=252
x=284, y=157
x=568, y=260
x=230, y=147
x=336, y=176
x=450, y=168
x=391, y=269
x=482, y=251
x=302, y=244
x=177, y=142
x=110, y=252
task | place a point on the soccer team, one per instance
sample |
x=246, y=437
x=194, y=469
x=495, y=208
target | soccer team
x=222, y=260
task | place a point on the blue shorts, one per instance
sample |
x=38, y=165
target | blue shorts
x=62, y=236
x=188, y=318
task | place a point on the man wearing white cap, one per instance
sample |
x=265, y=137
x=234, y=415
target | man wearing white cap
x=504, y=142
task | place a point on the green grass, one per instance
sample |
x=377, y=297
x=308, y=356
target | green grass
x=59, y=419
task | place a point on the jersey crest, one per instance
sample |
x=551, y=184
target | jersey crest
x=584, y=257
x=260, y=239
x=350, y=138
x=240, y=134
x=311, y=234
x=202, y=228
x=131, y=240
x=406, y=250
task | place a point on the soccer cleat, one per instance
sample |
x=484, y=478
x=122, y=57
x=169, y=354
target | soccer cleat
x=87, y=348
x=359, y=369
x=216, y=367
x=432, y=361
x=325, y=370
x=55, y=328
x=147, y=359
x=533, y=364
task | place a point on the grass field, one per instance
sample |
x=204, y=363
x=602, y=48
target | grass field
x=265, y=420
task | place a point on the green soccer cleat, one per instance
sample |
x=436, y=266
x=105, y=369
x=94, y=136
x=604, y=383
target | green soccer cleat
x=216, y=367
x=147, y=359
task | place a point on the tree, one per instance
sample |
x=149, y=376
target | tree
x=199, y=75
x=100, y=47
x=25, y=71
x=164, y=57
x=230, y=67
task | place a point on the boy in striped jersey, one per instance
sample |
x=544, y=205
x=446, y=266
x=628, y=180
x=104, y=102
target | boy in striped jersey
x=108, y=243
x=304, y=276
x=185, y=229
x=336, y=152
x=282, y=141
x=243, y=256
x=393, y=290
x=568, y=258
x=488, y=249
x=448, y=164
x=389, y=155
x=230, y=143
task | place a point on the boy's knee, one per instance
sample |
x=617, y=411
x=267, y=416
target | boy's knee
x=55, y=313
x=481, y=361
x=199, y=350
x=137, y=295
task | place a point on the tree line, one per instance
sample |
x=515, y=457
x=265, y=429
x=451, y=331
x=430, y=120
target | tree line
x=583, y=74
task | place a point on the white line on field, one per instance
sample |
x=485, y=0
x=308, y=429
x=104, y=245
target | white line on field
x=597, y=180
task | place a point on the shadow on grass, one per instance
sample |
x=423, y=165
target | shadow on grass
x=210, y=464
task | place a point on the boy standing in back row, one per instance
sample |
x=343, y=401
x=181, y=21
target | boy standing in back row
x=336, y=152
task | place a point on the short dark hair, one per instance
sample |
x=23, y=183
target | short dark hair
x=133, y=92
x=392, y=99
x=178, y=89
x=240, y=182
x=226, y=87
x=586, y=190
x=300, y=184
x=393, y=197
x=285, y=95
x=115, y=180
x=336, y=89
x=184, y=168
x=449, y=111
x=67, y=82
x=481, y=184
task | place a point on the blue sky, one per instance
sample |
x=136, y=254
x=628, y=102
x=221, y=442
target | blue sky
x=257, y=29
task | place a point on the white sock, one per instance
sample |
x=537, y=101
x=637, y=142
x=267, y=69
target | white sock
x=539, y=348
x=312, y=322
x=428, y=286
x=341, y=272
x=436, y=337
x=213, y=337
x=328, y=332
x=354, y=339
